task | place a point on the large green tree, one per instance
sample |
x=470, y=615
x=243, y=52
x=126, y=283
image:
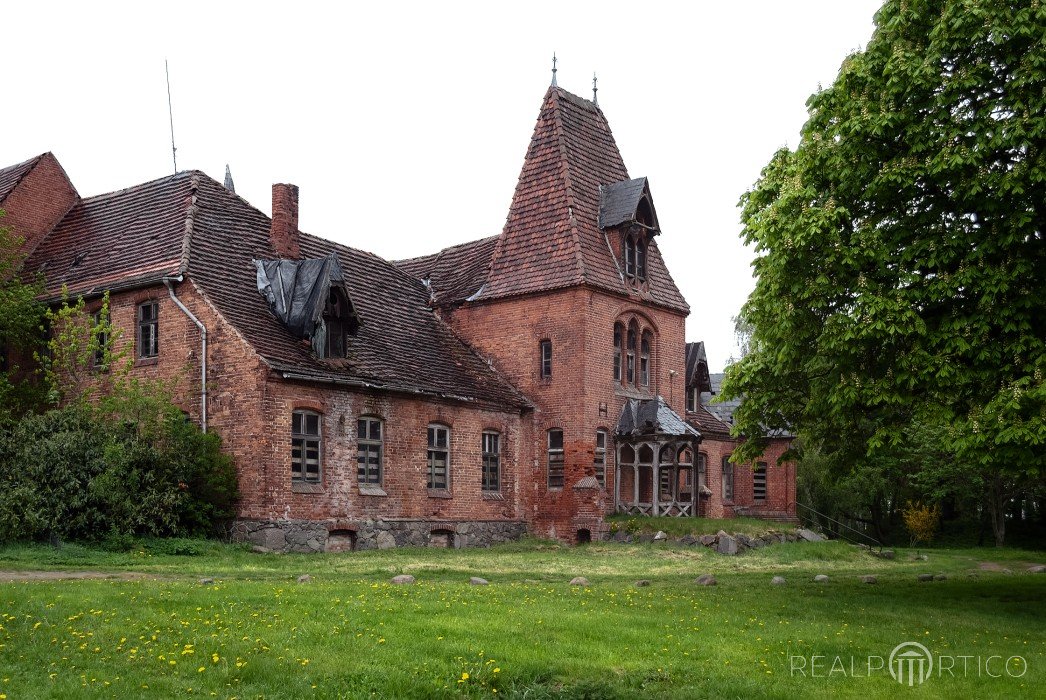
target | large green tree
x=901, y=260
x=21, y=335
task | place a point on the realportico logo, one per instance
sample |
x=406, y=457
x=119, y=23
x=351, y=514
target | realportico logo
x=910, y=664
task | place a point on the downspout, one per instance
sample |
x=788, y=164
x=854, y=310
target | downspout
x=203, y=350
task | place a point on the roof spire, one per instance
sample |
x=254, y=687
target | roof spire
x=228, y=179
x=554, y=83
x=595, y=100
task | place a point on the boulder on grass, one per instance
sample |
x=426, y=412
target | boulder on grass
x=642, y=583
x=725, y=544
x=706, y=580
x=925, y=577
x=304, y=578
x=403, y=579
x=778, y=581
x=477, y=581
x=820, y=578
x=579, y=581
x=809, y=535
x=869, y=579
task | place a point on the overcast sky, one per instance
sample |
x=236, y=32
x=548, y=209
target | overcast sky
x=405, y=124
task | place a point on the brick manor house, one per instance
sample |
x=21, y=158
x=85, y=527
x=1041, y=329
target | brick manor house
x=507, y=385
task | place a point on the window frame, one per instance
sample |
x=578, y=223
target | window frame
x=301, y=440
x=645, y=343
x=728, y=479
x=618, y=351
x=366, y=445
x=490, y=469
x=153, y=350
x=434, y=448
x=336, y=312
x=759, y=474
x=546, y=358
x=556, y=460
x=630, y=355
x=599, y=459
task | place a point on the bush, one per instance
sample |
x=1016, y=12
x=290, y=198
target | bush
x=84, y=474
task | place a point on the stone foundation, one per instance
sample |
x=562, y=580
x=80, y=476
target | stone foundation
x=341, y=536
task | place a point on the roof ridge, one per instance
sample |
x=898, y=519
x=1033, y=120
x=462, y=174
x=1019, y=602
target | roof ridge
x=142, y=185
x=564, y=167
x=190, y=221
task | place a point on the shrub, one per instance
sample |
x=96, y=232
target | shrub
x=922, y=521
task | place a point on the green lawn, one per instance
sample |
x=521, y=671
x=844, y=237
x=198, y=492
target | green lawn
x=256, y=632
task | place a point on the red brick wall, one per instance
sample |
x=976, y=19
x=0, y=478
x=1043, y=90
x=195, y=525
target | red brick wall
x=780, y=482
x=405, y=422
x=39, y=202
x=581, y=396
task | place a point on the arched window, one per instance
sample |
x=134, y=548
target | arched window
x=630, y=360
x=644, y=360
x=369, y=450
x=305, y=446
x=439, y=457
x=728, y=479
x=618, y=330
x=640, y=259
x=626, y=455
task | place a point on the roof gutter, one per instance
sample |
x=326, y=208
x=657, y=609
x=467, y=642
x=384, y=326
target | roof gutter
x=168, y=281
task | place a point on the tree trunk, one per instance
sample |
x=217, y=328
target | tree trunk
x=998, y=496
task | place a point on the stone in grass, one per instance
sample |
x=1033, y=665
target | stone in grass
x=477, y=581
x=403, y=579
x=641, y=583
x=820, y=578
x=661, y=535
x=706, y=580
x=809, y=535
x=1037, y=569
x=940, y=577
x=869, y=579
x=304, y=578
x=778, y=581
x=579, y=581
x=925, y=577
x=725, y=544
x=887, y=554
x=207, y=581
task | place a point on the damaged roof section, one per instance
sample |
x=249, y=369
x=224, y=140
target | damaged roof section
x=652, y=418
x=697, y=367
x=619, y=203
x=297, y=291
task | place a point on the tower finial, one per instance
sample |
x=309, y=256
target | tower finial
x=595, y=90
x=228, y=179
x=554, y=83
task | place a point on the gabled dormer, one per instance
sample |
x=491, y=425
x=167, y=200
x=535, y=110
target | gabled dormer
x=310, y=298
x=628, y=219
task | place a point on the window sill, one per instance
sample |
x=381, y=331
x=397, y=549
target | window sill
x=146, y=361
x=493, y=496
x=440, y=493
x=306, y=487
x=371, y=490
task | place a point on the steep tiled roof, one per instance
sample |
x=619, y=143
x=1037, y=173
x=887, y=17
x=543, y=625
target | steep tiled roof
x=188, y=223
x=552, y=237
x=400, y=345
x=13, y=174
x=116, y=239
x=724, y=410
x=454, y=274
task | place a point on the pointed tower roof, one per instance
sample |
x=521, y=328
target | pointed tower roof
x=552, y=238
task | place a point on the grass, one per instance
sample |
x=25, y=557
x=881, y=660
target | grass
x=256, y=632
x=678, y=527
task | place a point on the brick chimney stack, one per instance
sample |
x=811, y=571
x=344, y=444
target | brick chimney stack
x=283, y=233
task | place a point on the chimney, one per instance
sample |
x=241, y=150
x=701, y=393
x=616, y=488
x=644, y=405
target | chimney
x=283, y=234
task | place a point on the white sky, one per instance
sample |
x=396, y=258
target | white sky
x=405, y=124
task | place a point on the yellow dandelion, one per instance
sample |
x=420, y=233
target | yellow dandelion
x=200, y=669
x=214, y=658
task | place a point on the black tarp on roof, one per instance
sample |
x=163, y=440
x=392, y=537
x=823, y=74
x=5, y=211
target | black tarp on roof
x=297, y=290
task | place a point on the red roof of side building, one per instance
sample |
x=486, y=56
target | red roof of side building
x=13, y=174
x=552, y=237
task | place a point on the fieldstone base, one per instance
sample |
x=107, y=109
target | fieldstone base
x=320, y=536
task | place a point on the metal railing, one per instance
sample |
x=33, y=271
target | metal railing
x=875, y=544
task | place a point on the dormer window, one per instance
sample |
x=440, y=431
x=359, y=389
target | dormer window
x=336, y=320
x=636, y=256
